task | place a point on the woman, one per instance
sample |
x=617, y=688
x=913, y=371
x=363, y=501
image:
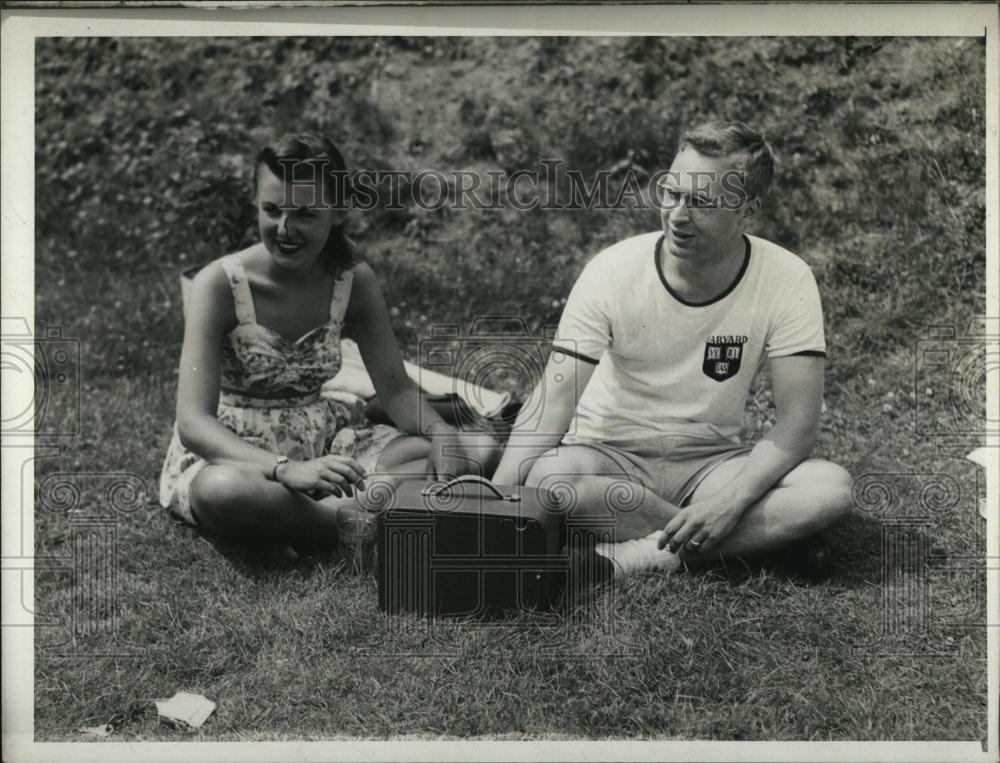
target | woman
x=256, y=453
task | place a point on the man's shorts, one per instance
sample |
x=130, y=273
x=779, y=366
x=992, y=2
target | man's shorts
x=672, y=467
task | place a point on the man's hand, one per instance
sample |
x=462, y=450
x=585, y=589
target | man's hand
x=545, y=416
x=701, y=526
x=454, y=453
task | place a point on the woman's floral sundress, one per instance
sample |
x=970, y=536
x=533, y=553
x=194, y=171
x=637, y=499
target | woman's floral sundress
x=270, y=394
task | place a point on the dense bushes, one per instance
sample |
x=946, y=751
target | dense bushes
x=143, y=150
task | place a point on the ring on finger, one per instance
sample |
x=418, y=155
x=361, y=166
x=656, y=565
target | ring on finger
x=694, y=544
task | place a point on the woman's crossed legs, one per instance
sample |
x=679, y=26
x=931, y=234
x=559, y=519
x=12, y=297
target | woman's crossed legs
x=231, y=500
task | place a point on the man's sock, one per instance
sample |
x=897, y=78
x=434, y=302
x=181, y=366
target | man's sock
x=638, y=555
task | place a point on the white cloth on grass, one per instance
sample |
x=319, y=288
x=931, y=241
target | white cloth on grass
x=353, y=380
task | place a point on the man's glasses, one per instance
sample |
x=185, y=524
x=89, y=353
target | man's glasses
x=669, y=197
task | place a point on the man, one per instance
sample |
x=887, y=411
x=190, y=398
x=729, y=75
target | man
x=651, y=368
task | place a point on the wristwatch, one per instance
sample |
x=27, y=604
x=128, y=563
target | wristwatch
x=278, y=462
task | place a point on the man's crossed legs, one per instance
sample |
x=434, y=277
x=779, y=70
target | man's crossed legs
x=813, y=496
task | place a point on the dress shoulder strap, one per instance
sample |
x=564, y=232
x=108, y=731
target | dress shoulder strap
x=341, y=295
x=240, y=286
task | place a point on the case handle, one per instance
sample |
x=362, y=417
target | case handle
x=470, y=479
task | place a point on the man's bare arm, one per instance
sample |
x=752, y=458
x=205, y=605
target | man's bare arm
x=797, y=383
x=545, y=416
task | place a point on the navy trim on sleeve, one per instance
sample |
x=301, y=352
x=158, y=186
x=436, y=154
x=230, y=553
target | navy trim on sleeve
x=808, y=353
x=576, y=355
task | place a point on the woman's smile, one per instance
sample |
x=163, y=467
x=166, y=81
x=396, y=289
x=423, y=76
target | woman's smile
x=286, y=246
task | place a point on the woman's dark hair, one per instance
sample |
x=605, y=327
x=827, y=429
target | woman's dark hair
x=305, y=157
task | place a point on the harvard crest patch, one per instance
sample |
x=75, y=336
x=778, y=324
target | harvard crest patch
x=723, y=354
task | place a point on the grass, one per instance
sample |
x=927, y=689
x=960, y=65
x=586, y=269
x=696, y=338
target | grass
x=302, y=652
x=305, y=651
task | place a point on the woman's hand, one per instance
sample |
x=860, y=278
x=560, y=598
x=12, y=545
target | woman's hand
x=327, y=474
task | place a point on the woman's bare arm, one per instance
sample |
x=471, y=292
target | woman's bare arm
x=452, y=452
x=210, y=315
x=370, y=325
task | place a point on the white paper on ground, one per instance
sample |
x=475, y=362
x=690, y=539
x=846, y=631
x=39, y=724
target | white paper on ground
x=980, y=456
x=98, y=732
x=184, y=709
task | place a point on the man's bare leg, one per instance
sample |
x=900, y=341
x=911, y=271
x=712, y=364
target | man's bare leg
x=592, y=485
x=811, y=497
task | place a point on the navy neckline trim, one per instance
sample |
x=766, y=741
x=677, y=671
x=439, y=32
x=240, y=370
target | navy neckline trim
x=725, y=293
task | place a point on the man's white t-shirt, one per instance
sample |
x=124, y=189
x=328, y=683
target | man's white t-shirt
x=670, y=367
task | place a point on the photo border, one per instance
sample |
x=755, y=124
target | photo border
x=20, y=27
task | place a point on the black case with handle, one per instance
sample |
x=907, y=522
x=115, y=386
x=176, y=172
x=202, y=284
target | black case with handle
x=470, y=548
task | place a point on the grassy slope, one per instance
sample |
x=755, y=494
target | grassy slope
x=142, y=169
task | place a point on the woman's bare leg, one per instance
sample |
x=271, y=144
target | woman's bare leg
x=237, y=502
